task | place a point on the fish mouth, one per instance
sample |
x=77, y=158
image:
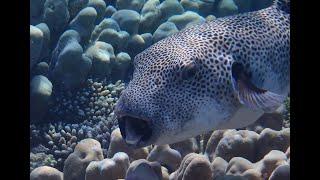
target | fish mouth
x=135, y=131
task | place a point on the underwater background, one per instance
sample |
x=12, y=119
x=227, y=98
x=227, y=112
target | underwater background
x=81, y=54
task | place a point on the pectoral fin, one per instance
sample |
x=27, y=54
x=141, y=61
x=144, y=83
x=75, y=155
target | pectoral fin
x=252, y=96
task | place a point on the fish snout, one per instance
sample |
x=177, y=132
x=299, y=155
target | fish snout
x=135, y=129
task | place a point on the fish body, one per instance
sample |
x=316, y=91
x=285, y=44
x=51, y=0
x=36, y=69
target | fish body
x=219, y=74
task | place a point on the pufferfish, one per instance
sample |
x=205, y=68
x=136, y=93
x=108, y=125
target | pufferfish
x=220, y=74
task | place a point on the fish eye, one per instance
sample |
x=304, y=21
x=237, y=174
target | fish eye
x=189, y=71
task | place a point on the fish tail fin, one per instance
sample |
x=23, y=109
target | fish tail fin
x=283, y=5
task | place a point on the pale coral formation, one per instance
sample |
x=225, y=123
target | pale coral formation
x=166, y=156
x=117, y=144
x=193, y=166
x=144, y=170
x=46, y=173
x=108, y=169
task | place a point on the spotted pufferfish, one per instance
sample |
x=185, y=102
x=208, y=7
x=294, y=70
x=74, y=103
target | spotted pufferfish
x=219, y=74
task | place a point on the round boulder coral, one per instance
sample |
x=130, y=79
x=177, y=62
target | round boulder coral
x=100, y=6
x=282, y=172
x=102, y=57
x=45, y=50
x=106, y=23
x=40, y=93
x=84, y=22
x=108, y=169
x=193, y=166
x=36, y=8
x=46, y=173
x=262, y=169
x=164, y=30
x=36, y=41
x=186, y=19
x=75, y=6
x=240, y=143
x=128, y=20
x=69, y=66
x=117, y=144
x=143, y=170
x=56, y=15
x=150, y=16
x=166, y=156
x=272, y=140
x=86, y=151
x=137, y=43
x=213, y=141
x=169, y=8
x=121, y=66
x=185, y=147
x=109, y=11
x=227, y=7
x=118, y=40
x=218, y=167
x=135, y=5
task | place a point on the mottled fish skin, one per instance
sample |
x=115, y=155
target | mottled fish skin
x=179, y=103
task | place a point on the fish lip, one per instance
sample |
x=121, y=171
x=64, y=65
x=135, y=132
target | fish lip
x=124, y=117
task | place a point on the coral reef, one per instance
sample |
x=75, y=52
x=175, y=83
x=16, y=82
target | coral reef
x=100, y=7
x=93, y=102
x=117, y=144
x=69, y=65
x=83, y=23
x=36, y=41
x=56, y=15
x=247, y=144
x=282, y=172
x=193, y=166
x=187, y=146
x=86, y=151
x=108, y=169
x=272, y=140
x=40, y=93
x=102, y=56
x=60, y=139
x=164, y=30
x=41, y=159
x=166, y=156
x=81, y=57
x=128, y=20
x=130, y=4
x=144, y=170
x=218, y=167
x=79, y=117
x=186, y=19
x=46, y=173
x=260, y=170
